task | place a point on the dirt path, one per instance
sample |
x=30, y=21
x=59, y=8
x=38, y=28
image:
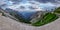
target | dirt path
x=9, y=24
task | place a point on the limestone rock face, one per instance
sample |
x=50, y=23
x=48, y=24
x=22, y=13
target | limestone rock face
x=0, y=14
x=38, y=15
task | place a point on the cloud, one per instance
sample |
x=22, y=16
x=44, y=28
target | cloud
x=55, y=2
x=45, y=1
x=15, y=0
x=41, y=3
x=2, y=2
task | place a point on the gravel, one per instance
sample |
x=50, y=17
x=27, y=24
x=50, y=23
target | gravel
x=10, y=24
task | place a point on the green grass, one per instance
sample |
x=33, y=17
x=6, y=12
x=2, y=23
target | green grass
x=49, y=17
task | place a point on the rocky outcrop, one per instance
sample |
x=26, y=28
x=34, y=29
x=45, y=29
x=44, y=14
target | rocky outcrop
x=36, y=16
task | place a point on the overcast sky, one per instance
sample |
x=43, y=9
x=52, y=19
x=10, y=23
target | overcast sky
x=43, y=3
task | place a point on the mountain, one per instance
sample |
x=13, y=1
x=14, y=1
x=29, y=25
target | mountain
x=27, y=14
x=37, y=16
x=57, y=10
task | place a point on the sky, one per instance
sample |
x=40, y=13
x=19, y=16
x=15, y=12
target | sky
x=42, y=4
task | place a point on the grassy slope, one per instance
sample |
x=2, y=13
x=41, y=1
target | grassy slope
x=57, y=10
x=46, y=19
